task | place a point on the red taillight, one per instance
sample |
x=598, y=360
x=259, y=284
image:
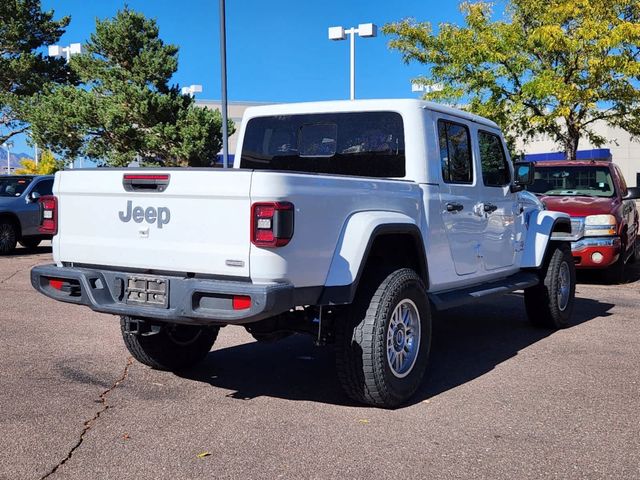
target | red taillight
x=271, y=224
x=241, y=302
x=48, y=214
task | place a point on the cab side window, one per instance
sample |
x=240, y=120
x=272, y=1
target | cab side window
x=623, y=183
x=44, y=187
x=455, y=152
x=495, y=169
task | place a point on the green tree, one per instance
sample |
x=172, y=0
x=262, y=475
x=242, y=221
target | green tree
x=125, y=106
x=47, y=165
x=24, y=71
x=550, y=67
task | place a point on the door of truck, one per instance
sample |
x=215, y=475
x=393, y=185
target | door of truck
x=498, y=204
x=459, y=193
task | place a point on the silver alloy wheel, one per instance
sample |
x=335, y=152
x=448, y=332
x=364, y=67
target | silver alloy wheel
x=6, y=235
x=564, y=288
x=403, y=338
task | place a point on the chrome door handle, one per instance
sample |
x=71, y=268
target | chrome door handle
x=490, y=207
x=454, y=207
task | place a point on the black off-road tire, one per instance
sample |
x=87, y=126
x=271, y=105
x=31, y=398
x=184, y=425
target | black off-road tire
x=30, y=243
x=615, y=273
x=636, y=252
x=361, y=340
x=173, y=348
x=8, y=237
x=543, y=304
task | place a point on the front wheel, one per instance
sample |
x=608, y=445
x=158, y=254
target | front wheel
x=383, y=340
x=615, y=273
x=172, y=347
x=550, y=303
x=636, y=251
x=8, y=237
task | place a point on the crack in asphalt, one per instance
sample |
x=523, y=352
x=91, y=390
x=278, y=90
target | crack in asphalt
x=17, y=272
x=10, y=276
x=102, y=399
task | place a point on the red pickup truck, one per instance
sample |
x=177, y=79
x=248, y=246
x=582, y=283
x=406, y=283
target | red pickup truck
x=604, y=217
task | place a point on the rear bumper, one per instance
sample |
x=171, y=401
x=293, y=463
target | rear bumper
x=585, y=251
x=190, y=300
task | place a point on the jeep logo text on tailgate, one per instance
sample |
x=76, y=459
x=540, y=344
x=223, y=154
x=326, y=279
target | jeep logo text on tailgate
x=161, y=215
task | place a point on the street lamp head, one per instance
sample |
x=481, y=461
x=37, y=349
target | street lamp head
x=337, y=33
x=75, y=48
x=66, y=52
x=55, y=51
x=367, y=30
x=191, y=90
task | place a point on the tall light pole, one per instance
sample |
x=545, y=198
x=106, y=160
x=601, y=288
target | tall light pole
x=8, y=146
x=223, y=72
x=35, y=148
x=366, y=30
x=66, y=52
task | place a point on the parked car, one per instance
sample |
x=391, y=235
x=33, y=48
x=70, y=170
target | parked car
x=345, y=220
x=20, y=212
x=603, y=211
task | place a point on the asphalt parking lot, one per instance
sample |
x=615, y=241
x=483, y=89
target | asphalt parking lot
x=502, y=400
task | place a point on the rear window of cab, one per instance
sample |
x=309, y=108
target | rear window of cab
x=367, y=144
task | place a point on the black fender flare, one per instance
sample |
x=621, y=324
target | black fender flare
x=344, y=294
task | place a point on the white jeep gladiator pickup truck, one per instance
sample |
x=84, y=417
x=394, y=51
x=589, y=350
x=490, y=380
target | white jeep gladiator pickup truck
x=348, y=220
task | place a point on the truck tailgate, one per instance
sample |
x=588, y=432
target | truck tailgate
x=195, y=221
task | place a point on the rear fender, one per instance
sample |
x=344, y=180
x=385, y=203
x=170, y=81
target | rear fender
x=540, y=225
x=354, y=244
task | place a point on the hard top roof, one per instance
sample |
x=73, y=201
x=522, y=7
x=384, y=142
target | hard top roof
x=392, y=104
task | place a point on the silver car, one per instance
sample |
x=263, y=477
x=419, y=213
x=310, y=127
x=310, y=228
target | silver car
x=19, y=210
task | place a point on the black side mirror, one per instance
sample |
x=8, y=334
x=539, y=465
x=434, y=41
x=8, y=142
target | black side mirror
x=523, y=175
x=34, y=196
x=633, y=193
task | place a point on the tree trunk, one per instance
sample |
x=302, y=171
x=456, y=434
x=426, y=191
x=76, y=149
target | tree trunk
x=571, y=143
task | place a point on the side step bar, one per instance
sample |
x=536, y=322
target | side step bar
x=483, y=291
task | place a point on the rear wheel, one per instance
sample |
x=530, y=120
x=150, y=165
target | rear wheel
x=383, y=340
x=8, y=237
x=30, y=243
x=614, y=274
x=550, y=303
x=172, y=347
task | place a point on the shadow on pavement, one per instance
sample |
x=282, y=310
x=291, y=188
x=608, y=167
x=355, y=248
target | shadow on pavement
x=597, y=277
x=470, y=341
x=23, y=252
x=467, y=343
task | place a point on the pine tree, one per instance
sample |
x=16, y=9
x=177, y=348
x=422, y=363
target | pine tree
x=24, y=71
x=125, y=107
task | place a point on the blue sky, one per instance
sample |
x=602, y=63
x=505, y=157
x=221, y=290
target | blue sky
x=277, y=50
